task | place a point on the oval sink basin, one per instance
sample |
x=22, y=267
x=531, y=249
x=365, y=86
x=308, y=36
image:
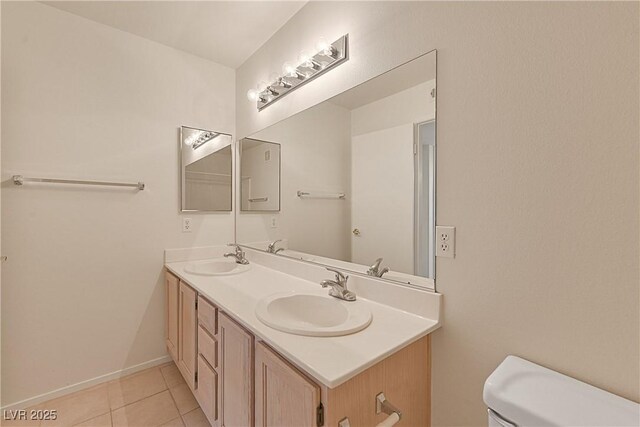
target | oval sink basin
x=312, y=315
x=216, y=267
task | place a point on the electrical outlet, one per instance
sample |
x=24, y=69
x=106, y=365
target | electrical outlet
x=274, y=222
x=186, y=225
x=445, y=241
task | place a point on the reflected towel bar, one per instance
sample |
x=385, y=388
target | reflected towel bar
x=320, y=195
x=19, y=180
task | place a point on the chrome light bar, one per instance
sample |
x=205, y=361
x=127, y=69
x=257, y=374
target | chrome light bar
x=204, y=138
x=329, y=57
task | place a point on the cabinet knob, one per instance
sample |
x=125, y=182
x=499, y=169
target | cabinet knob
x=356, y=232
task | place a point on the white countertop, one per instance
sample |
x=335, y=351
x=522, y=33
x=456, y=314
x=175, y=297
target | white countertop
x=329, y=360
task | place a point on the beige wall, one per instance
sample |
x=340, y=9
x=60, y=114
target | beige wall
x=537, y=168
x=82, y=292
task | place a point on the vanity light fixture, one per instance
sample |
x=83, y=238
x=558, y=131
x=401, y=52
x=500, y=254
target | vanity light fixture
x=201, y=138
x=309, y=66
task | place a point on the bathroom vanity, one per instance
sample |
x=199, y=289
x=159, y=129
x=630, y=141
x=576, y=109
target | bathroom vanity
x=262, y=343
x=246, y=373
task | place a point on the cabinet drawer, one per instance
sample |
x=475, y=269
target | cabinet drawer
x=207, y=346
x=207, y=392
x=208, y=316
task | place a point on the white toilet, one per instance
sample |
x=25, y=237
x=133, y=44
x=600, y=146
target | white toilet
x=521, y=393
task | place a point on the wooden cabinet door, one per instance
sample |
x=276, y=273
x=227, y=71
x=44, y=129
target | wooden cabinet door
x=207, y=392
x=284, y=396
x=235, y=360
x=187, y=335
x=171, y=329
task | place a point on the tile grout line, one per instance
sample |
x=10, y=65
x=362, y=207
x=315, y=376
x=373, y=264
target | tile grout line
x=96, y=416
x=109, y=401
x=172, y=398
x=138, y=400
x=43, y=423
x=181, y=416
x=111, y=411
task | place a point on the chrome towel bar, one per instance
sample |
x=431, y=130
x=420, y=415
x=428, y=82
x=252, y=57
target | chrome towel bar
x=19, y=180
x=319, y=195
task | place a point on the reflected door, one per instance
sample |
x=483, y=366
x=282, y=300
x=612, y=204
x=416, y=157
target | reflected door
x=425, y=197
x=382, y=189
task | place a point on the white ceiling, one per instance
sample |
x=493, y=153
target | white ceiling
x=226, y=32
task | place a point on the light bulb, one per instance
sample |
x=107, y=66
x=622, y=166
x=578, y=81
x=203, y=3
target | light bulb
x=252, y=95
x=274, y=77
x=262, y=86
x=191, y=139
x=325, y=48
x=289, y=69
x=322, y=45
x=305, y=58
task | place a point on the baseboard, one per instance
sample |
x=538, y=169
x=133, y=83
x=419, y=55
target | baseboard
x=26, y=403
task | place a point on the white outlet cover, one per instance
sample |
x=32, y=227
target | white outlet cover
x=445, y=241
x=186, y=225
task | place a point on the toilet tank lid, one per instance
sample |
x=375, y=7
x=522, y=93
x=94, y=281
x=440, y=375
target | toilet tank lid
x=529, y=394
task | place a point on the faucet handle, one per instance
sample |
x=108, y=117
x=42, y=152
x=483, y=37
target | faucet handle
x=340, y=277
x=238, y=249
x=272, y=245
x=376, y=264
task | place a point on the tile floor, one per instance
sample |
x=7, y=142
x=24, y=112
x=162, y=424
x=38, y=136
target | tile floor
x=154, y=397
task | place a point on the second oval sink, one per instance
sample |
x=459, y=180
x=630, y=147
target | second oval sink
x=216, y=267
x=312, y=315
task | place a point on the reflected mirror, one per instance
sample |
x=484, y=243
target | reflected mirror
x=358, y=180
x=206, y=170
x=259, y=175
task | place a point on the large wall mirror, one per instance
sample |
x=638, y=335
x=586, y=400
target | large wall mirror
x=206, y=160
x=358, y=180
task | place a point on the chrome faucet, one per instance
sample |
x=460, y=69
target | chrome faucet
x=375, y=271
x=238, y=254
x=339, y=286
x=272, y=247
